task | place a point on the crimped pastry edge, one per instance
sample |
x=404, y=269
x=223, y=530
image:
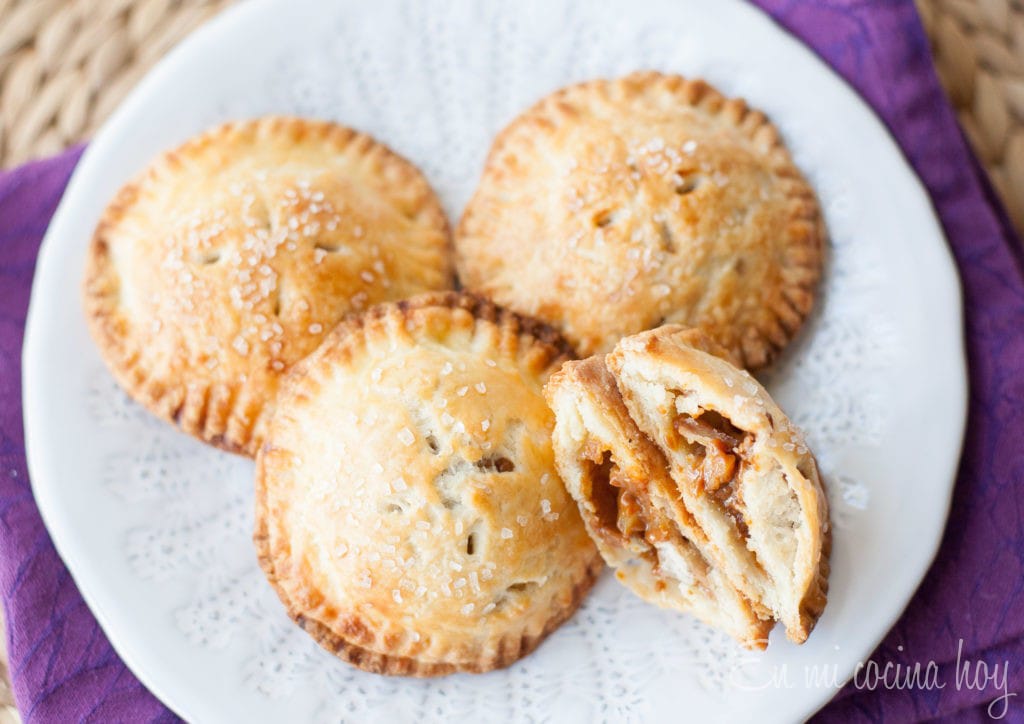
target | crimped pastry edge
x=366, y=655
x=212, y=412
x=761, y=344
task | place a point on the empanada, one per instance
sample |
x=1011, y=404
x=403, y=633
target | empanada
x=409, y=513
x=670, y=450
x=232, y=256
x=614, y=206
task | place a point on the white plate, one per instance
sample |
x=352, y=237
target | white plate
x=155, y=527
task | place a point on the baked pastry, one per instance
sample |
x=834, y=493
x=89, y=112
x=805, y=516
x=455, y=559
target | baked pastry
x=615, y=206
x=683, y=465
x=628, y=502
x=408, y=511
x=231, y=257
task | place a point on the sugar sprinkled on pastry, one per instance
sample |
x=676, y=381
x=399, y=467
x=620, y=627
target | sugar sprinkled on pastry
x=614, y=206
x=233, y=255
x=409, y=513
x=674, y=456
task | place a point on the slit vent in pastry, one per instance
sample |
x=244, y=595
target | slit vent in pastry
x=408, y=511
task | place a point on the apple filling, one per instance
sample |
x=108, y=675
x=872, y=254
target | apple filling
x=623, y=511
x=715, y=450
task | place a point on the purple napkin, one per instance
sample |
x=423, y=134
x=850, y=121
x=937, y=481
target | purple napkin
x=969, y=610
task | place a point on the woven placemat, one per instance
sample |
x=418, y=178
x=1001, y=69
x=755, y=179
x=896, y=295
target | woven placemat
x=65, y=64
x=979, y=52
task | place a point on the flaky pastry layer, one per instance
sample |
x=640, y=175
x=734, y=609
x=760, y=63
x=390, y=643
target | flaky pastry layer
x=684, y=467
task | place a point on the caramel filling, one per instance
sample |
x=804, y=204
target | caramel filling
x=707, y=426
x=630, y=518
x=715, y=453
x=616, y=496
x=622, y=506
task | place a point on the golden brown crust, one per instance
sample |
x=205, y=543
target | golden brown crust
x=812, y=605
x=507, y=653
x=614, y=206
x=231, y=257
x=414, y=425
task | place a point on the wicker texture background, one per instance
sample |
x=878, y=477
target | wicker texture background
x=979, y=52
x=65, y=64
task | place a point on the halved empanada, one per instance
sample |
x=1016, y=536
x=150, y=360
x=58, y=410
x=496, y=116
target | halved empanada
x=684, y=468
x=619, y=479
x=742, y=470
